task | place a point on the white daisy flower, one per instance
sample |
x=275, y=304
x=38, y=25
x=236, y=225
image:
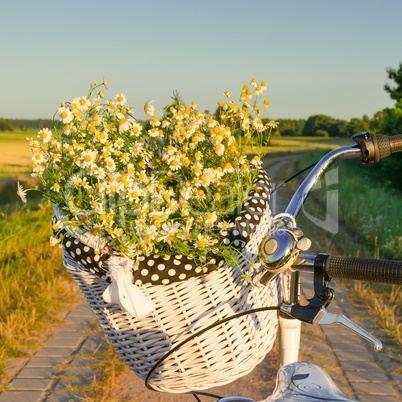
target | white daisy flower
x=110, y=165
x=45, y=134
x=65, y=115
x=84, y=103
x=228, y=168
x=21, y=192
x=53, y=241
x=39, y=158
x=120, y=99
x=136, y=129
x=154, y=121
x=253, y=83
x=169, y=231
x=256, y=161
x=219, y=149
x=210, y=218
x=149, y=108
x=273, y=124
x=88, y=158
x=124, y=124
x=258, y=125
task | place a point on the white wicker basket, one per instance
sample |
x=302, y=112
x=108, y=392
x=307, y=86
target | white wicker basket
x=216, y=357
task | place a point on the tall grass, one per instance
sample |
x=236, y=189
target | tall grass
x=33, y=282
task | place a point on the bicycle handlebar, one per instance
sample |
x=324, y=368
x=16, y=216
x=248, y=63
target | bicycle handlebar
x=363, y=269
x=375, y=147
x=356, y=268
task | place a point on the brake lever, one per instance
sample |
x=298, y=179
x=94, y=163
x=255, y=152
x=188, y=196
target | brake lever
x=324, y=317
x=315, y=312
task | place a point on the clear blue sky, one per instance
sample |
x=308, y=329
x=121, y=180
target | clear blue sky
x=317, y=56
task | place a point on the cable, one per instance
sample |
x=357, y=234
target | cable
x=291, y=178
x=198, y=333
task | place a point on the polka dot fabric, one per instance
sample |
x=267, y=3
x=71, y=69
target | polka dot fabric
x=253, y=210
x=157, y=270
x=83, y=254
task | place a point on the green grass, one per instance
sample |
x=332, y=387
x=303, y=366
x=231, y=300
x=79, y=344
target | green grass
x=33, y=281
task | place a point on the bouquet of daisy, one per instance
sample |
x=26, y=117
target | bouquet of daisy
x=167, y=186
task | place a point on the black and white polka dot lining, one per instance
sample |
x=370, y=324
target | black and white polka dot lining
x=254, y=208
x=82, y=254
x=158, y=270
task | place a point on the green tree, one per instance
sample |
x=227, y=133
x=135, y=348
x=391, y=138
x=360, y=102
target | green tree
x=395, y=75
x=391, y=124
x=6, y=125
x=318, y=125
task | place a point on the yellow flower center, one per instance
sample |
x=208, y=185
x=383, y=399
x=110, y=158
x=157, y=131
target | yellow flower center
x=209, y=216
x=122, y=121
x=134, y=194
x=200, y=193
x=56, y=185
x=120, y=99
x=64, y=115
x=202, y=243
x=88, y=158
x=174, y=162
x=141, y=177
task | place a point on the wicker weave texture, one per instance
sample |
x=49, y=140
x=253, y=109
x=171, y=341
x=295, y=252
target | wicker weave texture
x=215, y=358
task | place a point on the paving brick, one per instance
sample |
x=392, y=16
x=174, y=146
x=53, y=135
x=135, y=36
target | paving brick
x=396, y=377
x=348, y=346
x=32, y=372
x=352, y=356
x=376, y=388
x=335, y=329
x=13, y=365
x=358, y=365
x=66, y=335
x=21, y=396
x=72, y=327
x=79, y=371
x=361, y=376
x=34, y=384
x=68, y=384
x=82, y=313
x=390, y=366
x=65, y=396
x=62, y=343
x=350, y=338
x=56, y=352
x=376, y=398
x=83, y=362
x=45, y=361
x=79, y=320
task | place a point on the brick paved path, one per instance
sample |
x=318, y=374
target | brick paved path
x=64, y=360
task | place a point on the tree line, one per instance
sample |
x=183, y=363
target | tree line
x=24, y=124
